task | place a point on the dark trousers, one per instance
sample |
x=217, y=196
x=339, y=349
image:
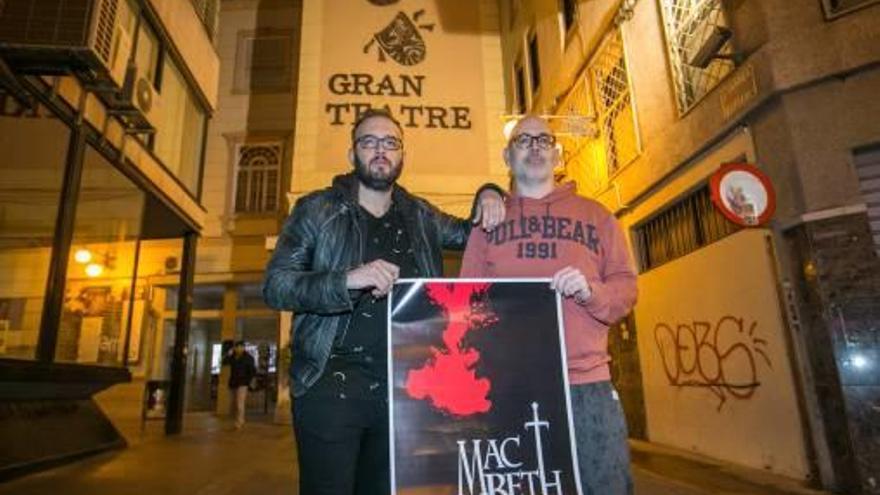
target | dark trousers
x=342, y=441
x=600, y=432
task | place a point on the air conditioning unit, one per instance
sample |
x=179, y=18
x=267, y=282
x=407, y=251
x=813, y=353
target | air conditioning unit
x=138, y=104
x=92, y=38
x=142, y=96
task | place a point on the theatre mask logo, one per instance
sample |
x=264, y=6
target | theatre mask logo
x=401, y=39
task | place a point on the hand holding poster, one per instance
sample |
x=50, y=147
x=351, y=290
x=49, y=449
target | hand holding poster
x=479, y=391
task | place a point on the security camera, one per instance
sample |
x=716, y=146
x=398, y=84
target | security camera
x=712, y=45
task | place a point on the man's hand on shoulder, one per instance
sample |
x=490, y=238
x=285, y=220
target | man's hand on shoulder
x=570, y=282
x=490, y=209
x=378, y=275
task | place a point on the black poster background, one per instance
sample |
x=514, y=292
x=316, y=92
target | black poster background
x=520, y=353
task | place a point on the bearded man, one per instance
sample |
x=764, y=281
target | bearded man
x=337, y=257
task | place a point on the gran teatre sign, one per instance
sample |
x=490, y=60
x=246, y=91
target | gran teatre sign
x=400, y=86
x=422, y=60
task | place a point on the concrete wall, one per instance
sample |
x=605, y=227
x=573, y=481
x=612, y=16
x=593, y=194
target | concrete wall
x=715, y=362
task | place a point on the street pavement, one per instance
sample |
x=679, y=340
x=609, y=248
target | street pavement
x=211, y=458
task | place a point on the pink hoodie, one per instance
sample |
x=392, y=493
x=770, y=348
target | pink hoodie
x=541, y=236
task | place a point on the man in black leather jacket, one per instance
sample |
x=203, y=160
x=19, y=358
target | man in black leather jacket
x=336, y=259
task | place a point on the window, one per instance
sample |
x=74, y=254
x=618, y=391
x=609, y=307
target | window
x=101, y=267
x=520, y=82
x=834, y=8
x=534, y=66
x=147, y=54
x=684, y=227
x=205, y=297
x=34, y=149
x=250, y=296
x=689, y=24
x=611, y=93
x=867, y=162
x=181, y=128
x=207, y=10
x=258, y=169
x=568, y=13
x=263, y=62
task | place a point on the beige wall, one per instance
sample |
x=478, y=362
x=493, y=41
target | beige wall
x=462, y=68
x=716, y=371
x=241, y=118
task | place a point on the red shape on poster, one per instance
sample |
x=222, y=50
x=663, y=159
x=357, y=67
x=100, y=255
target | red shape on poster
x=448, y=378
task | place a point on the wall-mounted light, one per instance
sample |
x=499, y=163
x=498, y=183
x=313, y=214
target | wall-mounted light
x=82, y=256
x=94, y=265
x=574, y=126
x=94, y=270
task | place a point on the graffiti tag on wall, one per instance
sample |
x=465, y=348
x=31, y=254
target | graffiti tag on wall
x=719, y=357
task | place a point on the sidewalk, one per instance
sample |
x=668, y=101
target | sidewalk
x=660, y=470
x=211, y=459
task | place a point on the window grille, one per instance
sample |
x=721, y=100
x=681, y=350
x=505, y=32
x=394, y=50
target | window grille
x=257, y=181
x=834, y=8
x=613, y=104
x=688, y=25
x=689, y=224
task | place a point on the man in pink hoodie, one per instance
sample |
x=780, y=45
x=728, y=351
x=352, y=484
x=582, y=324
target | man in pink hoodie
x=551, y=231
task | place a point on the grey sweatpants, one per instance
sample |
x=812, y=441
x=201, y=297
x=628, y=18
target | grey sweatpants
x=600, y=431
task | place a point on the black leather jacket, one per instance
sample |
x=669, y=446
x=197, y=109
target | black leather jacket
x=321, y=240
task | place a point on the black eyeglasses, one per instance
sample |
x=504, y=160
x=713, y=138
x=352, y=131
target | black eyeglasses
x=371, y=142
x=542, y=141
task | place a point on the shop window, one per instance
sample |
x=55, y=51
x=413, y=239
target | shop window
x=263, y=62
x=260, y=334
x=101, y=268
x=258, y=170
x=688, y=25
x=689, y=224
x=250, y=296
x=180, y=133
x=33, y=145
x=205, y=297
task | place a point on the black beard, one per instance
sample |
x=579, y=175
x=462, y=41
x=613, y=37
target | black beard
x=362, y=172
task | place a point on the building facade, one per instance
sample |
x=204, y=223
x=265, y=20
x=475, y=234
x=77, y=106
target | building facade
x=756, y=346
x=248, y=164
x=103, y=113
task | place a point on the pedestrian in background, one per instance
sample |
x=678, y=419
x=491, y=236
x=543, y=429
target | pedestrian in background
x=242, y=372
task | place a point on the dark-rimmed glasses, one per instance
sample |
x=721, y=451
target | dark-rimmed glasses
x=525, y=141
x=371, y=142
